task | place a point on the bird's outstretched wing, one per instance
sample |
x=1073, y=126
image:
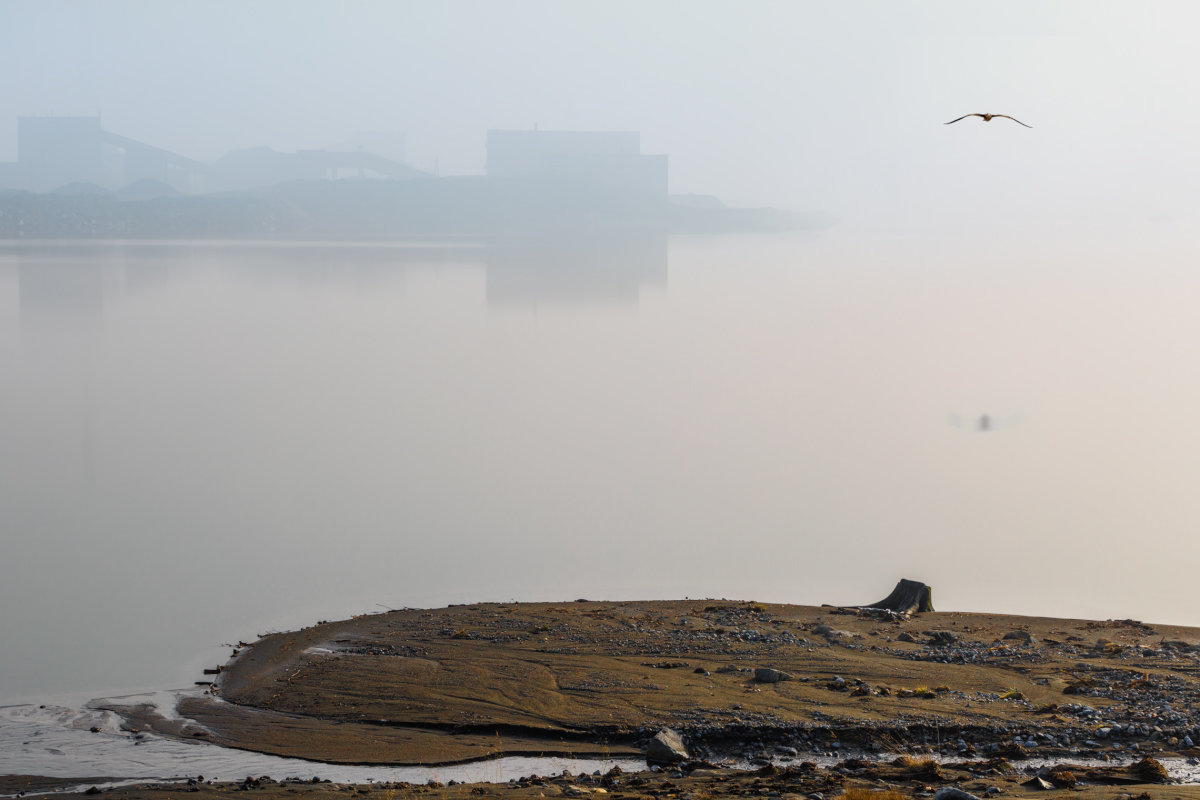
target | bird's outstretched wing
x=1014, y=119
x=964, y=116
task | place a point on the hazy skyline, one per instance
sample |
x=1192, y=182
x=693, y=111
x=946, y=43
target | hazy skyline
x=812, y=106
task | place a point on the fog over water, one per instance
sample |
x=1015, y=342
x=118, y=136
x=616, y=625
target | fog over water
x=201, y=441
x=206, y=441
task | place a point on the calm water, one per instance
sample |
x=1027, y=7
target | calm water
x=200, y=442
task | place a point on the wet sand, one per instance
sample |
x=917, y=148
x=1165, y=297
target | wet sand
x=854, y=780
x=874, y=697
x=435, y=686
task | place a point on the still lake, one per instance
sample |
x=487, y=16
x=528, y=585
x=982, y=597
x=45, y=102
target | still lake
x=204, y=441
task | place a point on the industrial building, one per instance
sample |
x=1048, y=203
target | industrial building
x=57, y=152
x=53, y=152
x=610, y=159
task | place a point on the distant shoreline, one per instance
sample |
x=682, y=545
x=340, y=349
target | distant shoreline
x=379, y=210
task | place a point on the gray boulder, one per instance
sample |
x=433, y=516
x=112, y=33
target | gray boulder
x=666, y=748
x=768, y=675
x=953, y=793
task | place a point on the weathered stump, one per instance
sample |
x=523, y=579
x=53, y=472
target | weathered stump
x=909, y=597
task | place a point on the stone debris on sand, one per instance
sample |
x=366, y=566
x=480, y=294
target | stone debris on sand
x=736, y=678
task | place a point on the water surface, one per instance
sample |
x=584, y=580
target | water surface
x=200, y=442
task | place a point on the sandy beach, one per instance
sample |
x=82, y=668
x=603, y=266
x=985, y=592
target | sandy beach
x=438, y=686
x=759, y=693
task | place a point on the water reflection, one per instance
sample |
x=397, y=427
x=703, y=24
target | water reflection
x=61, y=314
x=575, y=271
x=63, y=291
x=69, y=279
x=190, y=405
x=200, y=441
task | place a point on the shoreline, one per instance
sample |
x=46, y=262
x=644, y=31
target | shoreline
x=852, y=778
x=801, y=699
x=472, y=682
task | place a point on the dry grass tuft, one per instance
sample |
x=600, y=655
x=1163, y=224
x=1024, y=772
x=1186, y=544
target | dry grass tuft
x=923, y=769
x=1063, y=779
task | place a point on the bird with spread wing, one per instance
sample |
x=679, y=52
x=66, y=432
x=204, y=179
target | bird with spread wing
x=988, y=118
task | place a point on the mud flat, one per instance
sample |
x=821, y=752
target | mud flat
x=852, y=780
x=741, y=680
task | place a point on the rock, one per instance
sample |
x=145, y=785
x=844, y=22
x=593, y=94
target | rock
x=1150, y=770
x=666, y=748
x=1038, y=782
x=953, y=793
x=941, y=637
x=1019, y=636
x=906, y=637
x=768, y=675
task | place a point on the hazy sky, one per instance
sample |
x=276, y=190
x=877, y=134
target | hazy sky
x=824, y=105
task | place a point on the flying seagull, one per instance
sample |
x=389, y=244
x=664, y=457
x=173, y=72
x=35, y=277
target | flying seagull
x=988, y=118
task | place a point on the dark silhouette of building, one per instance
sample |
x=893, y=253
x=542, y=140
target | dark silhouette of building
x=258, y=167
x=55, y=151
x=610, y=159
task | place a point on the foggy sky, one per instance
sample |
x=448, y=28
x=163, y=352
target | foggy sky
x=834, y=106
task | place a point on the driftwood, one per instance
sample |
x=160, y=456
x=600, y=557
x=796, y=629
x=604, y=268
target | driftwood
x=909, y=597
